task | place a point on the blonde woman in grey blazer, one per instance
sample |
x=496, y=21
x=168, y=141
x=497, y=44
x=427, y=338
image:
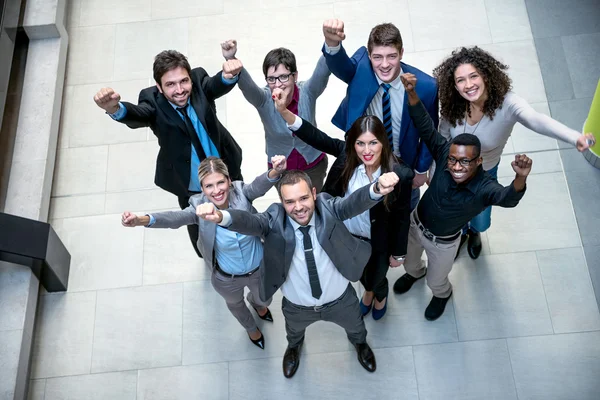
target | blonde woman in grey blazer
x=234, y=258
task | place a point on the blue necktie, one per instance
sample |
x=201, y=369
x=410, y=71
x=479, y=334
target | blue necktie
x=386, y=106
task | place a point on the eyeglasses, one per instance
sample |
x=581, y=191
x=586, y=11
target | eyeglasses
x=465, y=162
x=281, y=78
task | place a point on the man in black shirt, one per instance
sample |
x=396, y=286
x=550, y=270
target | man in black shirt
x=456, y=194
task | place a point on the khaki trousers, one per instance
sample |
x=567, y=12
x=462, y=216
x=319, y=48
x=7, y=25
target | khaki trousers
x=440, y=258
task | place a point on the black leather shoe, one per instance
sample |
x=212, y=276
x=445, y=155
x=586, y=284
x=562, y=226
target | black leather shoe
x=463, y=239
x=474, y=246
x=436, y=308
x=366, y=358
x=291, y=360
x=405, y=282
x=260, y=342
x=266, y=317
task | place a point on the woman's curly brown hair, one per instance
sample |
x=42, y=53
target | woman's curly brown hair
x=497, y=83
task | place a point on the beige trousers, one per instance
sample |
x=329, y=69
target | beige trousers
x=440, y=258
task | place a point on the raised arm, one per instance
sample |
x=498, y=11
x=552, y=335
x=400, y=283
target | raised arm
x=134, y=116
x=255, y=95
x=221, y=83
x=316, y=84
x=237, y=220
x=337, y=60
x=165, y=219
x=307, y=132
x=544, y=125
x=264, y=182
x=364, y=198
x=422, y=120
x=510, y=195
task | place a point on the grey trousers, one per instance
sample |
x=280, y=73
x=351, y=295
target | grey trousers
x=344, y=312
x=317, y=173
x=440, y=257
x=232, y=290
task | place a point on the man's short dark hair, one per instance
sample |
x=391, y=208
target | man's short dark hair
x=468, y=139
x=280, y=56
x=293, y=177
x=167, y=60
x=385, y=35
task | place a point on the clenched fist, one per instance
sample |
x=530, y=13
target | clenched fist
x=522, y=165
x=280, y=98
x=333, y=30
x=129, y=219
x=108, y=100
x=208, y=212
x=279, y=164
x=231, y=68
x=409, y=81
x=229, y=48
x=386, y=182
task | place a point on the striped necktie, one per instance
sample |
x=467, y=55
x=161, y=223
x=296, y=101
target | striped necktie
x=386, y=108
x=311, y=265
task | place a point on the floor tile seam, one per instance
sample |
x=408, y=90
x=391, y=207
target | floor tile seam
x=512, y=371
x=537, y=261
x=570, y=197
x=106, y=144
x=487, y=18
x=121, y=287
x=412, y=31
x=412, y=350
x=93, y=329
x=521, y=337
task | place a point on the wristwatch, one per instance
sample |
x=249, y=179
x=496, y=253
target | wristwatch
x=399, y=258
x=376, y=187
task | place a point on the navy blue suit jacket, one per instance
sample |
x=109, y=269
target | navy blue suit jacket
x=362, y=87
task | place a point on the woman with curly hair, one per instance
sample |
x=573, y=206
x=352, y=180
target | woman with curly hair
x=475, y=97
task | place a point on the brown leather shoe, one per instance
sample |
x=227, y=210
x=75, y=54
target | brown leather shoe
x=366, y=358
x=291, y=360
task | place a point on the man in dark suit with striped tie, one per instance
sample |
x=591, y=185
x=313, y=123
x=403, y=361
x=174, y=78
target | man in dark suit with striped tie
x=310, y=254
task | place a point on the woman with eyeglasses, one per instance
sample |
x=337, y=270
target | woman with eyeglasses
x=475, y=97
x=280, y=71
x=234, y=258
x=362, y=158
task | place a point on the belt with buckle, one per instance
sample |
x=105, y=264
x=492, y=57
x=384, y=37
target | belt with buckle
x=364, y=239
x=430, y=236
x=232, y=275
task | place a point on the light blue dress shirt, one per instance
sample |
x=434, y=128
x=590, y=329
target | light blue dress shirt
x=237, y=254
x=207, y=144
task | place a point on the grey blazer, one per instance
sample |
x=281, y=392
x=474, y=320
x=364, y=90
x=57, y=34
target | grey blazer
x=240, y=198
x=348, y=254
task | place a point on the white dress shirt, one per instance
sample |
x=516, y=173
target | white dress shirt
x=361, y=224
x=296, y=287
x=396, y=92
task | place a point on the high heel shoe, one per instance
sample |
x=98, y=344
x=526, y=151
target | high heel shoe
x=378, y=314
x=364, y=310
x=260, y=342
x=266, y=317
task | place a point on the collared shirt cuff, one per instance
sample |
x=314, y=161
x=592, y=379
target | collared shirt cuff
x=273, y=180
x=332, y=51
x=372, y=194
x=120, y=113
x=296, y=125
x=152, y=220
x=226, y=221
x=230, y=81
x=420, y=173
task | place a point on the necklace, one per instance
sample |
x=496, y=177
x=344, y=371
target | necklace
x=467, y=121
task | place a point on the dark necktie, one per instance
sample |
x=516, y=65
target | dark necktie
x=191, y=131
x=386, y=105
x=313, y=275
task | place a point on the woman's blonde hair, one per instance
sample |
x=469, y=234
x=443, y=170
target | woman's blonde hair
x=211, y=165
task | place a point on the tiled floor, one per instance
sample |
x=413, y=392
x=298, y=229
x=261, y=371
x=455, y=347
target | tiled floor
x=141, y=320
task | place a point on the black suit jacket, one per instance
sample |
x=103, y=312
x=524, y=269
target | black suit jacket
x=348, y=254
x=389, y=226
x=173, y=161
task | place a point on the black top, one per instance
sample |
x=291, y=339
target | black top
x=447, y=206
x=389, y=226
x=173, y=160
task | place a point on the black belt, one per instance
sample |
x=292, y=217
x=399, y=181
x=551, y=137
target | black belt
x=234, y=276
x=362, y=238
x=427, y=233
x=319, y=308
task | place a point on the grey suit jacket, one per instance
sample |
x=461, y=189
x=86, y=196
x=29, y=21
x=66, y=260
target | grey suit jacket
x=348, y=254
x=240, y=198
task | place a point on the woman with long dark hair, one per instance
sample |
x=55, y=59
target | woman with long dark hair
x=361, y=159
x=475, y=97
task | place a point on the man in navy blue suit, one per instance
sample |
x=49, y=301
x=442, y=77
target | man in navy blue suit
x=374, y=88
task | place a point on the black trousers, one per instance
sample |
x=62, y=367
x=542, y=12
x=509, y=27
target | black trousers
x=192, y=229
x=374, y=275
